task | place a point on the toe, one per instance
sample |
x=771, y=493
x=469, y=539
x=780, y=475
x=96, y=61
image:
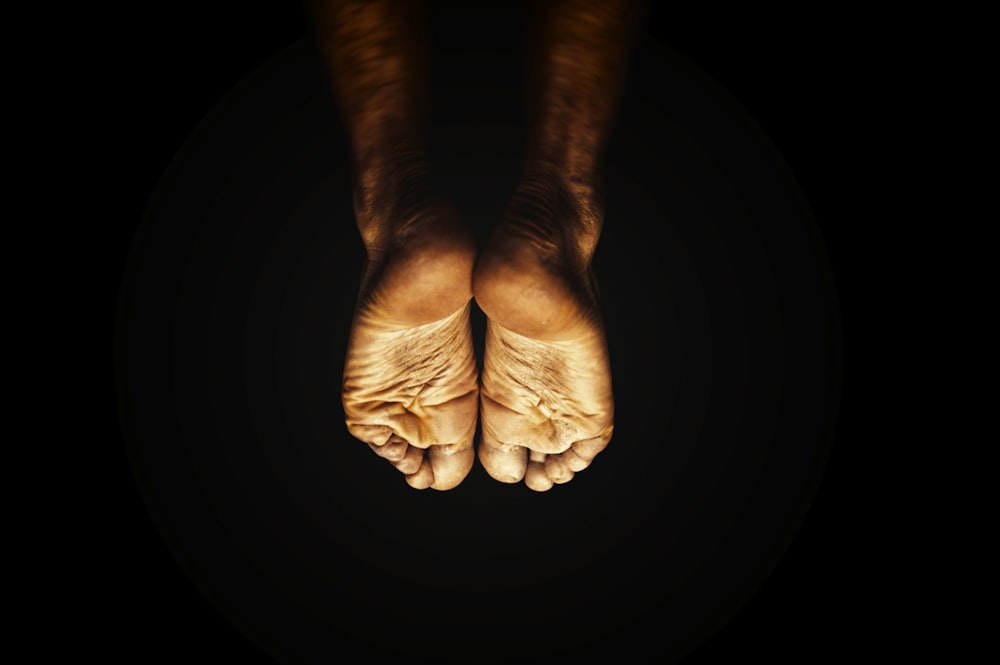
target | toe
x=587, y=449
x=411, y=461
x=374, y=435
x=393, y=451
x=536, y=478
x=557, y=469
x=423, y=478
x=450, y=464
x=572, y=460
x=504, y=462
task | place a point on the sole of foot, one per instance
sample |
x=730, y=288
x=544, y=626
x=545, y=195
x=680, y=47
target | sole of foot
x=410, y=386
x=546, y=404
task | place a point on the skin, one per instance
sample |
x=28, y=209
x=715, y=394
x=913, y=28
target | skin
x=410, y=389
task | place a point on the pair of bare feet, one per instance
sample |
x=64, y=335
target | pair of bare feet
x=411, y=387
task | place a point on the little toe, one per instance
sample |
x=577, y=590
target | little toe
x=558, y=470
x=504, y=462
x=450, y=464
x=536, y=478
x=424, y=476
x=411, y=461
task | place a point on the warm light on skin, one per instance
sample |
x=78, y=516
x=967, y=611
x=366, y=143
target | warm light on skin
x=407, y=390
x=410, y=386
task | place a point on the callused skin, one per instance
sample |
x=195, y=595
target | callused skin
x=410, y=385
x=546, y=403
x=410, y=381
x=547, y=407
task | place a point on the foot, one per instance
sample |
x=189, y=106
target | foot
x=546, y=398
x=410, y=386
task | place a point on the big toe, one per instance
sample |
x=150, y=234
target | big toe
x=450, y=464
x=506, y=463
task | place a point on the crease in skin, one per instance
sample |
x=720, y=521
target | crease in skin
x=545, y=395
x=535, y=204
x=413, y=381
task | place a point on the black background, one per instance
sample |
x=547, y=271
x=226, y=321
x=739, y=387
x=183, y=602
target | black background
x=796, y=84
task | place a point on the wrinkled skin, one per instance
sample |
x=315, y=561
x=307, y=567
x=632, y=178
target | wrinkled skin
x=546, y=403
x=410, y=387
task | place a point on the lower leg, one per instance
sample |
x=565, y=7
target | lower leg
x=376, y=57
x=580, y=54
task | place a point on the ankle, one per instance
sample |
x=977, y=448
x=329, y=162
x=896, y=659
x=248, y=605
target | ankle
x=388, y=193
x=557, y=212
